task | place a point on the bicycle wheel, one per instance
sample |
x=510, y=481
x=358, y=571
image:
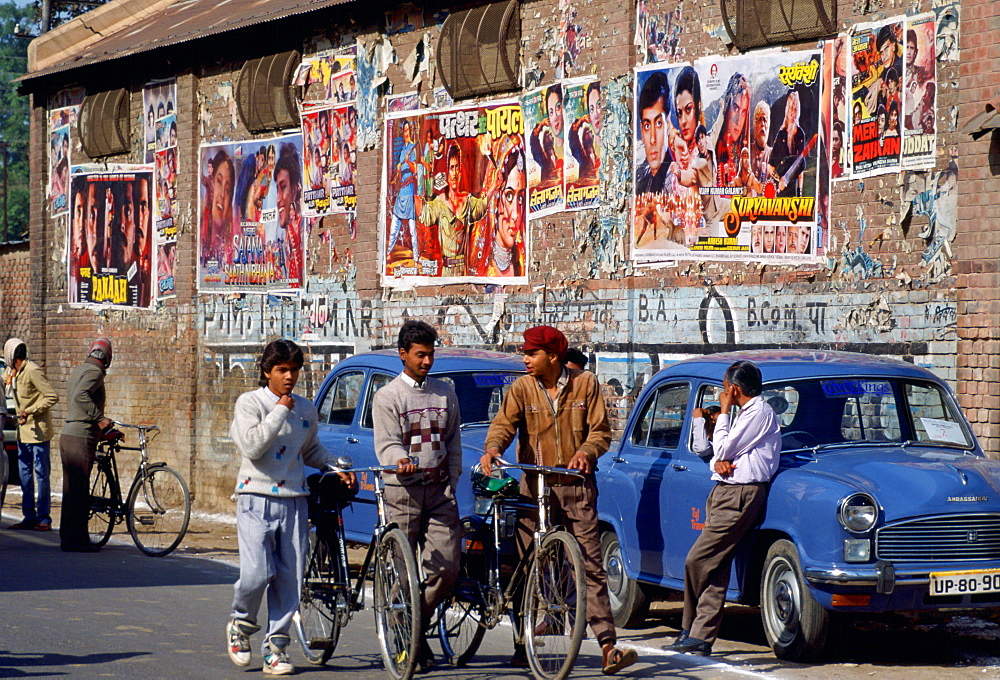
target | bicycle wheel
x=397, y=604
x=158, y=511
x=101, y=520
x=318, y=621
x=461, y=627
x=555, y=607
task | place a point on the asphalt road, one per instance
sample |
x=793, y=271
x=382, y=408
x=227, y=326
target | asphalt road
x=120, y=614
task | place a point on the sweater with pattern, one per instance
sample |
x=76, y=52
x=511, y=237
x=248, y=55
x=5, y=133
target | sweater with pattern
x=276, y=444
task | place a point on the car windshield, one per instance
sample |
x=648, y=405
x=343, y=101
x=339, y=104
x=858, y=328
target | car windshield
x=825, y=413
x=479, y=393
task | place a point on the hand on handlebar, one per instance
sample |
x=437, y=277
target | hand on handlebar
x=407, y=466
x=581, y=461
x=486, y=461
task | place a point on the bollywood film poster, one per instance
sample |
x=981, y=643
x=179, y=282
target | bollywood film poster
x=60, y=122
x=876, y=97
x=111, y=224
x=454, y=201
x=840, y=159
x=726, y=158
x=919, y=93
x=160, y=135
x=544, y=125
x=250, y=215
x=330, y=76
x=330, y=162
x=583, y=137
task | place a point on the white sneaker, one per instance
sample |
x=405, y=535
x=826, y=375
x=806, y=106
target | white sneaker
x=239, y=633
x=276, y=657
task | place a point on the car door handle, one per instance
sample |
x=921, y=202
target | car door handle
x=679, y=467
x=353, y=440
x=618, y=459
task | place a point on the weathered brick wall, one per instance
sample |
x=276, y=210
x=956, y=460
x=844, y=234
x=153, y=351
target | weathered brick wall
x=15, y=291
x=183, y=364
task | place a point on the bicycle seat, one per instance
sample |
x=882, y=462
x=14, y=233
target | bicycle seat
x=110, y=434
x=493, y=487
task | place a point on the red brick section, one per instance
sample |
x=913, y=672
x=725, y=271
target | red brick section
x=15, y=291
x=977, y=246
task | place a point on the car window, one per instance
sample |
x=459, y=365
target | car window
x=375, y=383
x=784, y=401
x=934, y=419
x=341, y=399
x=871, y=415
x=662, y=418
x=479, y=394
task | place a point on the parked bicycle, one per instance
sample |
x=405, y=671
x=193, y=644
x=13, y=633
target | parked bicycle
x=550, y=573
x=158, y=506
x=328, y=598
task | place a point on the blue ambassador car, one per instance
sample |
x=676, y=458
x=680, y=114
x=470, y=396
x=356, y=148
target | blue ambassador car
x=344, y=402
x=883, y=500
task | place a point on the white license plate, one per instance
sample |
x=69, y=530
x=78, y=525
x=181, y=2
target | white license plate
x=965, y=582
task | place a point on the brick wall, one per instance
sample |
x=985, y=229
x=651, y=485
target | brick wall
x=15, y=291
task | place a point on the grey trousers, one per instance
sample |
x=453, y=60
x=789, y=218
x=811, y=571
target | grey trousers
x=428, y=515
x=273, y=536
x=731, y=512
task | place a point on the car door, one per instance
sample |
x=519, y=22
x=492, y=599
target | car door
x=645, y=459
x=337, y=410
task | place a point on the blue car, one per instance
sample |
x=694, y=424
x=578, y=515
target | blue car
x=344, y=402
x=883, y=500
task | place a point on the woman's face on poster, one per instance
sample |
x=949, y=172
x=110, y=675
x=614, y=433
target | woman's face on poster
x=594, y=109
x=222, y=193
x=687, y=116
x=779, y=239
x=511, y=217
x=739, y=111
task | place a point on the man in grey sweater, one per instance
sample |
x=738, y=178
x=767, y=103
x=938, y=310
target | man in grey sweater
x=417, y=422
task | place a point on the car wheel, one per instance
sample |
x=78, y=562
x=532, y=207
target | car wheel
x=795, y=624
x=629, y=602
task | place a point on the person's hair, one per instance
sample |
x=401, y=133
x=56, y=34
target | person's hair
x=577, y=357
x=892, y=74
x=687, y=81
x=594, y=86
x=700, y=132
x=885, y=34
x=911, y=35
x=288, y=160
x=416, y=332
x=279, y=352
x=219, y=159
x=746, y=376
x=556, y=90
x=655, y=89
x=454, y=150
x=21, y=352
x=712, y=410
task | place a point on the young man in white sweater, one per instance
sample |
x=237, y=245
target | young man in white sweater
x=417, y=420
x=276, y=434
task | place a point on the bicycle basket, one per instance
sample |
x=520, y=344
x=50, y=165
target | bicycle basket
x=498, y=485
x=328, y=492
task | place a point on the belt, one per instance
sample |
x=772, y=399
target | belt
x=452, y=261
x=743, y=483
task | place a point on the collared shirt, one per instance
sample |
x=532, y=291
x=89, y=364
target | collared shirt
x=752, y=444
x=411, y=382
x=561, y=383
x=701, y=445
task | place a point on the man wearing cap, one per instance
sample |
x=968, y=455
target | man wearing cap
x=33, y=396
x=560, y=420
x=85, y=419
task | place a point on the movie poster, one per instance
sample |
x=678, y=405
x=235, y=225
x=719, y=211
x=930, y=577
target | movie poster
x=840, y=159
x=583, y=137
x=919, y=93
x=60, y=121
x=876, y=97
x=111, y=249
x=544, y=125
x=330, y=76
x=160, y=134
x=947, y=13
x=330, y=162
x=454, y=196
x=250, y=215
x=726, y=158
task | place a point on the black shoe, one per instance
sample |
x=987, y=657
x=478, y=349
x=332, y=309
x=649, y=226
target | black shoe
x=23, y=525
x=681, y=637
x=692, y=645
x=83, y=548
x=425, y=657
x=520, y=658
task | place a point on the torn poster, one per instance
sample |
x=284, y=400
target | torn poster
x=60, y=121
x=948, y=14
x=840, y=159
x=160, y=128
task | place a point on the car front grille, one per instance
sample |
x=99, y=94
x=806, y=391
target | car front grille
x=946, y=537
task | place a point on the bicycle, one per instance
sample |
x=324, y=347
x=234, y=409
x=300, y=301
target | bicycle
x=550, y=572
x=328, y=598
x=158, y=506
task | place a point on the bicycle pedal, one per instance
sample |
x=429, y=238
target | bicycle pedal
x=145, y=520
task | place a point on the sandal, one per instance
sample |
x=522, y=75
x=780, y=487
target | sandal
x=619, y=659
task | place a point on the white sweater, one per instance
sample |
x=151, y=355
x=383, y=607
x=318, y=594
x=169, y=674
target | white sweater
x=275, y=443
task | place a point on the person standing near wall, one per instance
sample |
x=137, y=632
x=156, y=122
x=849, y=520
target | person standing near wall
x=417, y=428
x=85, y=398
x=33, y=397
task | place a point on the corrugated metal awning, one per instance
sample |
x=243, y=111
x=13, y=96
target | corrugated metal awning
x=178, y=23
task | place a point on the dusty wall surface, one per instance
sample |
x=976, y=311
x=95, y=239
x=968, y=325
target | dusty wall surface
x=183, y=364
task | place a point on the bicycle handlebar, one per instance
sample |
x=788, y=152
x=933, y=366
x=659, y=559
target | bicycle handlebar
x=542, y=469
x=147, y=428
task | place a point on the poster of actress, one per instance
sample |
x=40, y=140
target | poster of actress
x=583, y=140
x=60, y=122
x=111, y=226
x=330, y=159
x=250, y=216
x=876, y=101
x=454, y=203
x=544, y=125
x=919, y=120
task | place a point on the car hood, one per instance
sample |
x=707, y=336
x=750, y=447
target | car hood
x=907, y=481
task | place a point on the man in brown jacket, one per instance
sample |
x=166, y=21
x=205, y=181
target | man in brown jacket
x=560, y=420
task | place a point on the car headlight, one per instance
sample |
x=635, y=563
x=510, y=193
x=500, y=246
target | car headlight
x=858, y=512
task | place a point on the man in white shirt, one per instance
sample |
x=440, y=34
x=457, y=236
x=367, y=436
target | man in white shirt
x=746, y=454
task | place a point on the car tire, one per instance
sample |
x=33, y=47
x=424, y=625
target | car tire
x=794, y=623
x=629, y=602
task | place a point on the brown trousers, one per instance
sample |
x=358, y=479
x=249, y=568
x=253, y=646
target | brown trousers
x=77, y=456
x=732, y=511
x=574, y=506
x=428, y=515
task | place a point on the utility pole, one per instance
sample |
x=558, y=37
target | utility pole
x=6, y=203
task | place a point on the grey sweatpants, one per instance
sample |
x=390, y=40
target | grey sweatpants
x=273, y=536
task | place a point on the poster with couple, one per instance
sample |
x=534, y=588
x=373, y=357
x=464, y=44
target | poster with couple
x=726, y=159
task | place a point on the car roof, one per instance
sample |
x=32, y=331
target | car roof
x=446, y=360
x=780, y=364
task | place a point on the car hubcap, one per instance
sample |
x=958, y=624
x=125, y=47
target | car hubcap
x=614, y=571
